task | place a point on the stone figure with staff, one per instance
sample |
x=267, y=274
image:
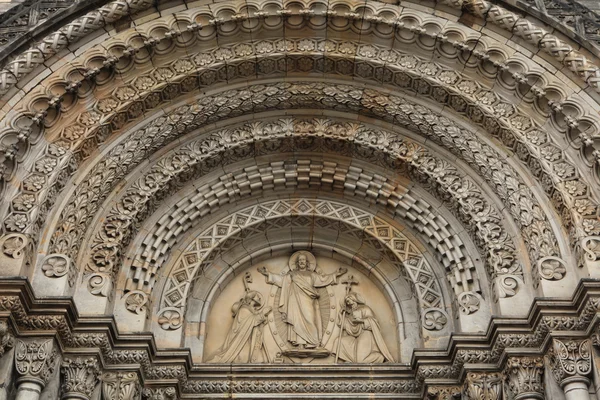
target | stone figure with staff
x=360, y=339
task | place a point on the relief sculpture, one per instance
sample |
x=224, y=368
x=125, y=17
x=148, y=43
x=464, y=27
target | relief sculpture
x=244, y=342
x=298, y=303
x=301, y=320
x=360, y=339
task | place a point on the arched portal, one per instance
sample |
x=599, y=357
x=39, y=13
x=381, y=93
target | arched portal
x=299, y=199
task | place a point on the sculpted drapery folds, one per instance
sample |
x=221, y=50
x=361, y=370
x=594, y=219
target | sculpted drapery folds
x=361, y=340
x=244, y=341
x=299, y=293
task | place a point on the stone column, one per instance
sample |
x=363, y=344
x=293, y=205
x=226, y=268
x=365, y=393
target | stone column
x=6, y=343
x=34, y=363
x=79, y=378
x=571, y=363
x=525, y=377
x=483, y=386
x=120, y=386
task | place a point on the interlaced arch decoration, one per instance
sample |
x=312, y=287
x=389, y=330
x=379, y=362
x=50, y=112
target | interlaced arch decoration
x=232, y=229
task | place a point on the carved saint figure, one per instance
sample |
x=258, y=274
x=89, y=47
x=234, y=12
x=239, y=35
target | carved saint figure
x=360, y=339
x=299, y=298
x=244, y=342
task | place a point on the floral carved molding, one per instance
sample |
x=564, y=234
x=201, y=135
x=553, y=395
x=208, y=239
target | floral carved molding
x=155, y=367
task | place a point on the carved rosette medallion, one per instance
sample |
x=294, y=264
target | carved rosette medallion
x=525, y=377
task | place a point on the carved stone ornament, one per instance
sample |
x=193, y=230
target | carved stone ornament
x=552, y=268
x=7, y=340
x=444, y=393
x=525, y=377
x=591, y=248
x=434, y=319
x=483, y=386
x=35, y=361
x=12, y=245
x=468, y=302
x=136, y=301
x=570, y=359
x=79, y=377
x=59, y=265
x=120, y=386
x=168, y=393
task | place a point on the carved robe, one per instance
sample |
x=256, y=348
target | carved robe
x=244, y=342
x=362, y=341
x=300, y=306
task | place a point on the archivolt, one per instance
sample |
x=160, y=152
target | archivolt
x=551, y=155
x=251, y=140
x=233, y=229
x=153, y=41
x=321, y=177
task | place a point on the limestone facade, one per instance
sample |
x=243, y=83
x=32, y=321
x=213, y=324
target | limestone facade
x=299, y=199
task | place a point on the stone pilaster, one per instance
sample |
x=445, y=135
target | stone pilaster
x=120, y=386
x=79, y=378
x=571, y=364
x=525, y=377
x=34, y=363
x=483, y=386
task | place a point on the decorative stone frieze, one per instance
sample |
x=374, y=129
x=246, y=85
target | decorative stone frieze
x=159, y=394
x=444, y=393
x=79, y=377
x=525, y=377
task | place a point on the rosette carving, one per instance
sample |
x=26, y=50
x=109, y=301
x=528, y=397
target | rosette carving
x=552, y=268
x=434, y=319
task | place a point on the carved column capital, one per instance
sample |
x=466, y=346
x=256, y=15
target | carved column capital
x=443, y=393
x=525, y=377
x=35, y=361
x=483, y=386
x=7, y=340
x=571, y=361
x=168, y=393
x=120, y=386
x=79, y=377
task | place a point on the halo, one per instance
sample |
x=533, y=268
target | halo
x=312, y=261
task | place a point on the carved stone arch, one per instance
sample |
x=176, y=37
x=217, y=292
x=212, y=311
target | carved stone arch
x=251, y=225
x=21, y=215
x=404, y=152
